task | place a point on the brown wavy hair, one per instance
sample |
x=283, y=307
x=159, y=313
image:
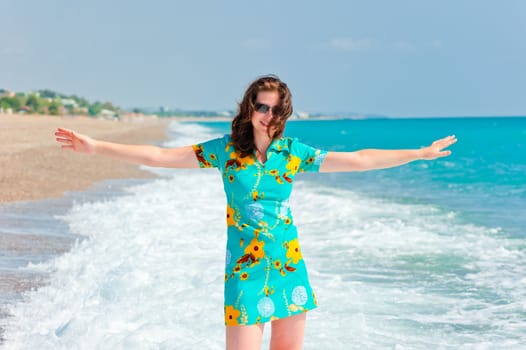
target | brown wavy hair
x=242, y=134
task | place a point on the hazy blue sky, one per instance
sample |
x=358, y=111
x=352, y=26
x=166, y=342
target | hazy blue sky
x=397, y=58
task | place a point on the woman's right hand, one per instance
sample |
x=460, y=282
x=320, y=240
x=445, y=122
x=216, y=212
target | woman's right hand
x=75, y=141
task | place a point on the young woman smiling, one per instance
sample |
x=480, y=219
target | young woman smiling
x=266, y=278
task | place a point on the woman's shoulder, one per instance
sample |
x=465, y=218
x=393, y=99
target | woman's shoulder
x=288, y=141
x=219, y=139
x=295, y=146
x=287, y=144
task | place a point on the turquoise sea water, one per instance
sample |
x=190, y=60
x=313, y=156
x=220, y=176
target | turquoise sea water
x=484, y=179
x=431, y=255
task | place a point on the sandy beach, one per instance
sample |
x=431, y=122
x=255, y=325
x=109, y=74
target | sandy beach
x=35, y=167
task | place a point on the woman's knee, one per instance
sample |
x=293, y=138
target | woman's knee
x=244, y=337
x=288, y=333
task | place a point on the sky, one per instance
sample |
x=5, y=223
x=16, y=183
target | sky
x=406, y=58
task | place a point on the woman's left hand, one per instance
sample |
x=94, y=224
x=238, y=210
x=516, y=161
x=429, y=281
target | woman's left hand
x=436, y=149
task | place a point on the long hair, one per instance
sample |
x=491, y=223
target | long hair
x=242, y=134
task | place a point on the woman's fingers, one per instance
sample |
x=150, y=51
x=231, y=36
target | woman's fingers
x=450, y=140
x=436, y=149
x=445, y=142
x=444, y=153
x=63, y=140
x=63, y=134
x=65, y=130
x=73, y=141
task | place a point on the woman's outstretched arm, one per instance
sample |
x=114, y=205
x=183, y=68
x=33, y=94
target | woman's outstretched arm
x=370, y=159
x=181, y=157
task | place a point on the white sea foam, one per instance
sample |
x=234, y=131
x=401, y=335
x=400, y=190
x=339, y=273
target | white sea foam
x=387, y=275
x=408, y=275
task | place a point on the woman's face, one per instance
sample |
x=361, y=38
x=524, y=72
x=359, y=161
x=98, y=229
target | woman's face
x=266, y=101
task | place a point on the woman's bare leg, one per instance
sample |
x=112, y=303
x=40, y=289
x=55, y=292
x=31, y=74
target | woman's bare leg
x=287, y=333
x=244, y=337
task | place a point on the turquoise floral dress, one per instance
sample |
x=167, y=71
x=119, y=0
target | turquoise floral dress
x=265, y=275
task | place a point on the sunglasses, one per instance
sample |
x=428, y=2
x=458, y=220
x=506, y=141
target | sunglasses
x=263, y=108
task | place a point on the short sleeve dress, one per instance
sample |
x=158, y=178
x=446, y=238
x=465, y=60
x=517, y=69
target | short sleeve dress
x=265, y=275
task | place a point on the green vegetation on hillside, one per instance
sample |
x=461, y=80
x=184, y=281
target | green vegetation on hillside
x=54, y=103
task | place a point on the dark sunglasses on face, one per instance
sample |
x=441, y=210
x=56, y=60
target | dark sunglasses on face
x=263, y=108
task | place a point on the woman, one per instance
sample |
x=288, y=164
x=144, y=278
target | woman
x=265, y=275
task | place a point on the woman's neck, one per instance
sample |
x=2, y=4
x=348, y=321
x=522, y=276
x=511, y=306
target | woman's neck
x=262, y=142
x=261, y=145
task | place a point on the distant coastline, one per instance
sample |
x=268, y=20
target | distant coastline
x=328, y=117
x=48, y=102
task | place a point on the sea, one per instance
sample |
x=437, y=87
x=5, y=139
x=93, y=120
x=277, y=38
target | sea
x=429, y=255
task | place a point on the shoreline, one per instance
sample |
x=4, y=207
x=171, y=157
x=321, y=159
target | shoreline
x=34, y=167
x=35, y=177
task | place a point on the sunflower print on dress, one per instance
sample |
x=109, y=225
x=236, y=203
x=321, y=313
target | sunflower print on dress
x=265, y=274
